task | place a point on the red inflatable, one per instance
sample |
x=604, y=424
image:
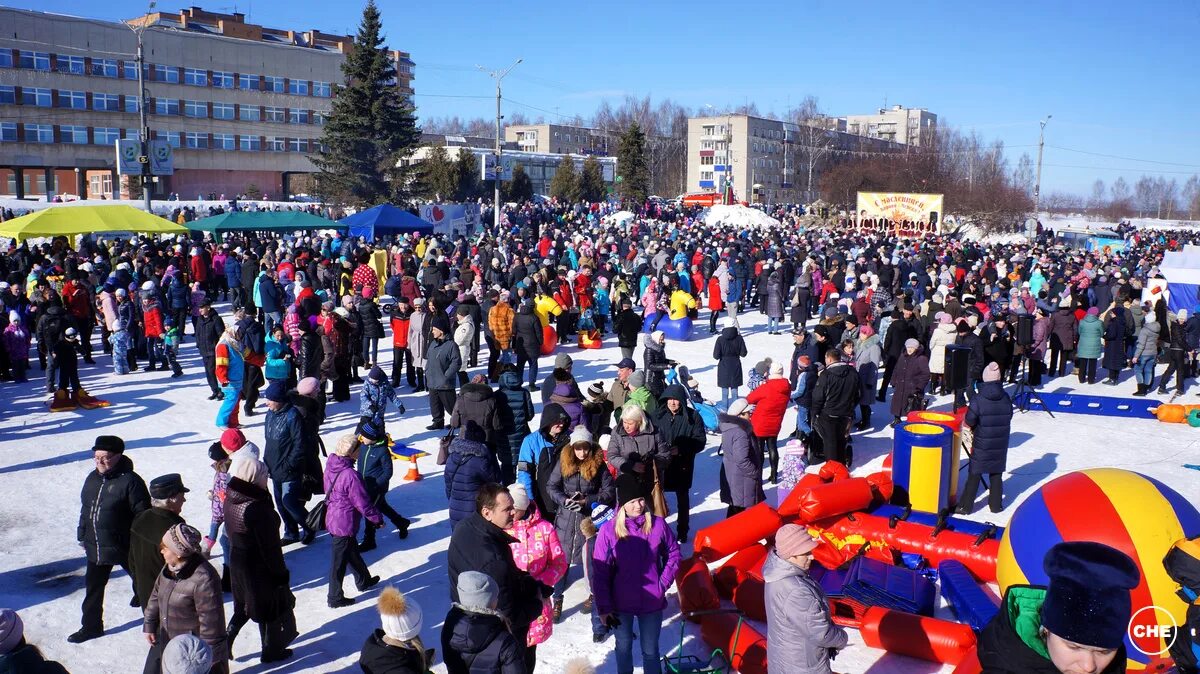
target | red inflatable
x=748, y=654
x=917, y=636
x=750, y=596
x=696, y=589
x=887, y=463
x=832, y=471
x=882, y=482
x=979, y=558
x=549, y=340
x=790, y=506
x=735, y=570
x=590, y=339
x=743, y=529
x=970, y=664
x=835, y=498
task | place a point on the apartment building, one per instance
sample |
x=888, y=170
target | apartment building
x=242, y=105
x=561, y=139
x=898, y=124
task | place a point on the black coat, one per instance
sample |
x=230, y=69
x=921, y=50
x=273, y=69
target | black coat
x=371, y=318
x=1114, y=343
x=976, y=360
x=910, y=376
x=479, y=545
x=476, y=403
x=990, y=417
x=208, y=332
x=109, y=504
x=656, y=363
x=898, y=332
x=260, y=576
x=628, y=326
x=729, y=350
x=312, y=352
x=27, y=659
x=477, y=643
x=527, y=335
x=145, y=537
x=378, y=657
x=684, y=431
x=836, y=393
x=514, y=409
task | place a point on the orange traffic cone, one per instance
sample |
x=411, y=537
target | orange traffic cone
x=413, y=473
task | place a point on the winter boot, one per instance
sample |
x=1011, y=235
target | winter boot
x=87, y=402
x=587, y=605
x=1142, y=390
x=865, y=412
x=231, y=633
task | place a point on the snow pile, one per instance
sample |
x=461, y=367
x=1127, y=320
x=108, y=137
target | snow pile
x=619, y=218
x=739, y=216
x=971, y=232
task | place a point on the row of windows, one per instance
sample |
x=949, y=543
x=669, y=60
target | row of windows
x=78, y=135
x=77, y=100
x=76, y=65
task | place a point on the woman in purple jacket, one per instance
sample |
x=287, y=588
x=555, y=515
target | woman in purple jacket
x=346, y=503
x=634, y=563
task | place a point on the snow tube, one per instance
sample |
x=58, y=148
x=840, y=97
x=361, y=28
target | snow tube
x=790, y=506
x=676, y=330
x=958, y=524
x=549, y=339
x=732, y=534
x=750, y=596
x=738, y=567
x=590, y=339
x=979, y=556
x=696, y=589
x=835, y=498
x=1171, y=414
x=972, y=604
x=746, y=648
x=925, y=467
x=917, y=636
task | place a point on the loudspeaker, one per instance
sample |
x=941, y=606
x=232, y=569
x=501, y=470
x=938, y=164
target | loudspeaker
x=1024, y=329
x=956, y=366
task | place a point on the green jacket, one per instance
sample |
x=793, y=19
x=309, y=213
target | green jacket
x=1090, y=330
x=642, y=397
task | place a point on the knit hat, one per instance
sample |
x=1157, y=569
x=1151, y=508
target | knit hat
x=563, y=362
x=309, y=386
x=1087, y=600
x=186, y=654
x=377, y=375
x=729, y=322
x=250, y=470
x=342, y=311
x=776, y=371
x=658, y=335
x=109, y=443
x=400, y=616
x=11, y=630
x=579, y=666
x=440, y=322
x=596, y=390
x=345, y=445
x=580, y=434
x=1095, y=311
x=370, y=430
x=182, y=539
x=14, y=317
x=793, y=539
x=1064, y=303
x=911, y=343
x=477, y=590
x=519, y=496
x=276, y=392
x=1180, y=315
x=737, y=407
x=232, y=440
x=637, y=379
x=216, y=452
x=629, y=487
x=991, y=372
x=601, y=514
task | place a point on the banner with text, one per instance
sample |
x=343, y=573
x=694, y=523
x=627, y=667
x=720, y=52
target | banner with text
x=899, y=213
x=451, y=218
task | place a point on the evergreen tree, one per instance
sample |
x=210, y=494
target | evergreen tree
x=439, y=176
x=632, y=165
x=565, y=184
x=369, y=127
x=591, y=183
x=466, y=173
x=520, y=188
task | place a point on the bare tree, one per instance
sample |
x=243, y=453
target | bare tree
x=814, y=143
x=1023, y=176
x=1099, y=199
x=1191, y=197
x=1144, y=197
x=1121, y=205
x=1168, y=197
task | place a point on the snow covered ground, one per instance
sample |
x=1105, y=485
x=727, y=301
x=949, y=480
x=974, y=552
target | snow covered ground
x=167, y=426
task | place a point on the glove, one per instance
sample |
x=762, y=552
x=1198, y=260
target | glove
x=402, y=410
x=573, y=506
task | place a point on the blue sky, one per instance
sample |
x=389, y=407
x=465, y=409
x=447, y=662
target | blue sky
x=1120, y=78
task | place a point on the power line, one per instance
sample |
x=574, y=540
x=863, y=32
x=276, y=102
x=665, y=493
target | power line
x=1113, y=156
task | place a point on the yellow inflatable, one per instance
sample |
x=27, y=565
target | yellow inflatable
x=681, y=303
x=544, y=307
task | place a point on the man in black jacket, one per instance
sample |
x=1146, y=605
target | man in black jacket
x=479, y=543
x=683, y=433
x=628, y=326
x=145, y=559
x=833, y=402
x=209, y=329
x=112, y=496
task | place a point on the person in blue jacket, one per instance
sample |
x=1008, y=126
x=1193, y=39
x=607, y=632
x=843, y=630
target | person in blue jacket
x=539, y=455
x=469, y=466
x=270, y=299
x=279, y=358
x=989, y=415
x=375, y=466
x=233, y=278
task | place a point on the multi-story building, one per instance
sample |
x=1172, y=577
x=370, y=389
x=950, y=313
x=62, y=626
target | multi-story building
x=907, y=126
x=764, y=160
x=560, y=139
x=241, y=104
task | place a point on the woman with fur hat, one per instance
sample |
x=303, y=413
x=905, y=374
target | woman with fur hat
x=537, y=551
x=579, y=481
x=186, y=599
x=800, y=630
x=476, y=638
x=396, y=648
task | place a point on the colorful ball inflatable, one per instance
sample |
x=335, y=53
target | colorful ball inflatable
x=676, y=330
x=1135, y=514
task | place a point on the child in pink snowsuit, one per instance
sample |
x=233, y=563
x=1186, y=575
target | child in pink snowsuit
x=539, y=552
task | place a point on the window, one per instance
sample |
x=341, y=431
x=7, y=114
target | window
x=318, y=118
x=39, y=133
x=104, y=135
x=169, y=74
x=100, y=183
x=195, y=77
x=8, y=94
x=272, y=83
x=104, y=67
x=197, y=109
x=109, y=102
x=251, y=143
x=75, y=135
x=72, y=65
x=273, y=114
x=131, y=104
x=297, y=116
x=250, y=113
x=75, y=100
x=166, y=106
x=274, y=144
x=706, y=175
x=322, y=89
x=6, y=61
x=224, y=141
x=36, y=96
x=34, y=60
x=222, y=80
x=706, y=161
x=133, y=134
x=129, y=70
x=196, y=141
x=297, y=145
x=8, y=132
x=298, y=87
x=248, y=82
x=173, y=138
x=222, y=110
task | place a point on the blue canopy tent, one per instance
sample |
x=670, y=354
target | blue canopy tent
x=384, y=219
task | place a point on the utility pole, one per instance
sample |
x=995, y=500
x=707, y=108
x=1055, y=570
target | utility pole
x=144, y=136
x=1037, y=187
x=498, y=76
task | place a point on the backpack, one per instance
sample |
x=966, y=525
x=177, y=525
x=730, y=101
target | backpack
x=1182, y=564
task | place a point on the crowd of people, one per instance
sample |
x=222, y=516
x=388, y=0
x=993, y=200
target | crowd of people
x=295, y=322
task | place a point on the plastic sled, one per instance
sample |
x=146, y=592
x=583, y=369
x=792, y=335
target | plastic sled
x=717, y=662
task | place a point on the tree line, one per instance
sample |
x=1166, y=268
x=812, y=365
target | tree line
x=1149, y=197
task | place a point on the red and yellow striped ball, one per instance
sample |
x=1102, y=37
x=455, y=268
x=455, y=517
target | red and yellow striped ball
x=1135, y=514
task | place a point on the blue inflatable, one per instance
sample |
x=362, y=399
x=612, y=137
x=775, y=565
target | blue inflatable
x=676, y=330
x=971, y=603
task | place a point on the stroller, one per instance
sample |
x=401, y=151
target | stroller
x=707, y=411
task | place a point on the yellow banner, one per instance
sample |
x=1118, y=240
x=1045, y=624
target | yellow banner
x=900, y=213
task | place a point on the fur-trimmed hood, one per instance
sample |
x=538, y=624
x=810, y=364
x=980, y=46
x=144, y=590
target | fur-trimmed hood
x=588, y=468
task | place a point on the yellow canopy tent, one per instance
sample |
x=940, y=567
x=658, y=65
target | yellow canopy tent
x=71, y=220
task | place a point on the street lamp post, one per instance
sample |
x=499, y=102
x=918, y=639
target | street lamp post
x=144, y=135
x=1037, y=188
x=498, y=75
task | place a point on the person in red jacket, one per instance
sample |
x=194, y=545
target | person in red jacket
x=716, y=303
x=401, y=356
x=770, y=401
x=81, y=308
x=152, y=321
x=566, y=301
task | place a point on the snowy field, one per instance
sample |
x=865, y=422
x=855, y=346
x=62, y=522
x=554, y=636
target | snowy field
x=167, y=426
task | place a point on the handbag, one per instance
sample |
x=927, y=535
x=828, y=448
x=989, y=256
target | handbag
x=656, y=495
x=316, y=516
x=444, y=448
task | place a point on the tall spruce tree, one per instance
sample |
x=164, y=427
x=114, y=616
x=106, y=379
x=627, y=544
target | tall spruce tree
x=370, y=126
x=564, y=186
x=466, y=171
x=632, y=165
x=438, y=177
x=591, y=182
x=520, y=188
